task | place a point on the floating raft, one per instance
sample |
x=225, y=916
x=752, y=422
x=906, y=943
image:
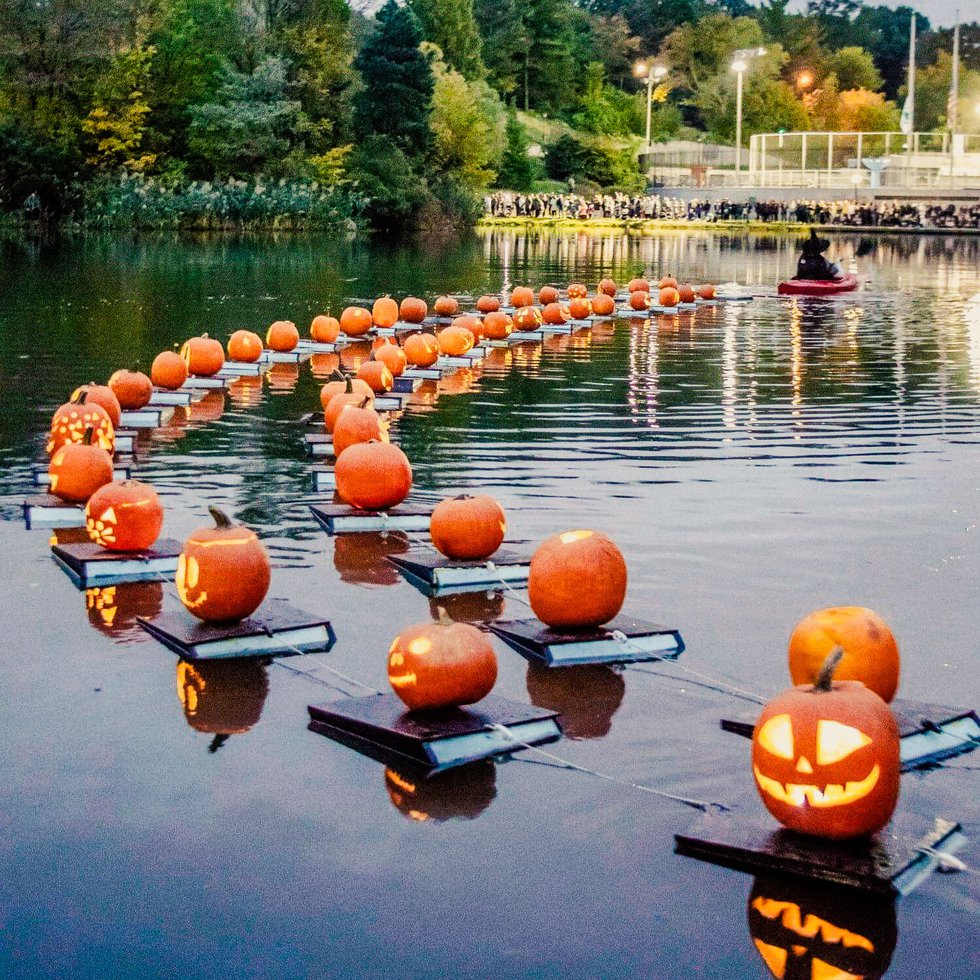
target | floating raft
x=47, y=510
x=87, y=564
x=42, y=478
x=124, y=440
x=151, y=417
x=321, y=347
x=407, y=385
x=324, y=478
x=344, y=519
x=437, y=575
x=434, y=739
x=206, y=384
x=243, y=369
x=180, y=398
x=319, y=445
x=294, y=356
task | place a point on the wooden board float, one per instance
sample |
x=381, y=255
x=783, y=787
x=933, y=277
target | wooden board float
x=890, y=863
x=243, y=369
x=42, y=478
x=342, y=518
x=294, y=356
x=407, y=385
x=276, y=628
x=472, y=359
x=554, y=648
x=146, y=418
x=124, y=440
x=433, y=373
x=319, y=445
x=434, y=739
x=324, y=479
x=206, y=384
x=320, y=347
x=87, y=564
x=47, y=510
x=510, y=341
x=437, y=575
x=553, y=328
x=929, y=732
x=526, y=336
x=162, y=396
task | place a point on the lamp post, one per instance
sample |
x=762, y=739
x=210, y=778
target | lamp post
x=740, y=62
x=652, y=73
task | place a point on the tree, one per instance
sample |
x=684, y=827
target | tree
x=885, y=34
x=932, y=87
x=503, y=41
x=384, y=174
x=618, y=48
x=651, y=20
x=451, y=26
x=518, y=171
x=697, y=52
x=396, y=100
x=547, y=76
x=607, y=110
x=854, y=68
x=864, y=111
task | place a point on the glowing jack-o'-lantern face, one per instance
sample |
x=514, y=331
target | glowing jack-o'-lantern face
x=808, y=932
x=113, y=609
x=73, y=419
x=222, y=697
x=124, y=516
x=826, y=758
x=461, y=793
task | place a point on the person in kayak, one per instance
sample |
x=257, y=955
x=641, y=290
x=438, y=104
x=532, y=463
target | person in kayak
x=811, y=264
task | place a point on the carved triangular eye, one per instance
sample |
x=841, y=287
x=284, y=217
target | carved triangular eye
x=776, y=736
x=836, y=741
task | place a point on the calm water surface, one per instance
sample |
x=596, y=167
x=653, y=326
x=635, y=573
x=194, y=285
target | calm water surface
x=754, y=462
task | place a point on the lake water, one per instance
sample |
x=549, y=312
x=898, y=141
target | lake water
x=754, y=462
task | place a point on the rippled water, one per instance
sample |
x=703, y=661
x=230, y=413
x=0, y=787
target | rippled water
x=754, y=462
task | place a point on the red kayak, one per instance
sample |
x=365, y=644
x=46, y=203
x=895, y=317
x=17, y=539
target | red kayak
x=818, y=287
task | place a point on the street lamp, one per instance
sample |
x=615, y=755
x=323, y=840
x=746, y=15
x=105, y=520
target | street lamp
x=652, y=73
x=804, y=80
x=740, y=62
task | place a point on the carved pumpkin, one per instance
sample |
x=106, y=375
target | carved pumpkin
x=870, y=651
x=360, y=558
x=826, y=757
x=580, y=308
x=100, y=395
x=811, y=931
x=459, y=793
x=384, y=312
x=488, y=304
x=351, y=395
x=441, y=665
x=421, y=350
x=78, y=469
x=585, y=695
x=222, y=697
x=577, y=290
x=686, y=294
x=125, y=516
x=547, y=295
x=668, y=282
x=373, y=476
x=357, y=423
x=455, y=341
x=446, y=306
x=497, y=326
x=282, y=336
x=471, y=323
x=607, y=287
x=522, y=296
x=73, y=419
x=324, y=329
x=639, y=300
x=245, y=347
x=603, y=304
x=577, y=580
x=168, y=370
x=356, y=321
x=203, y=356
x=669, y=296
x=113, y=609
x=638, y=285
x=377, y=375
x=527, y=318
x=223, y=572
x=707, y=292
x=555, y=314
x=413, y=309
x=468, y=528
x=132, y=389
x=392, y=357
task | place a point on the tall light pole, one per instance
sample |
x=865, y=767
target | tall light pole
x=652, y=73
x=740, y=63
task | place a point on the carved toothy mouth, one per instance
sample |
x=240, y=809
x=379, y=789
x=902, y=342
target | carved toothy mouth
x=833, y=794
x=808, y=926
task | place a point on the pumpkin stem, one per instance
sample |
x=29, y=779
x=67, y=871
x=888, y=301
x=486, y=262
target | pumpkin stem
x=463, y=496
x=79, y=399
x=825, y=677
x=365, y=403
x=350, y=386
x=221, y=519
x=87, y=438
x=444, y=619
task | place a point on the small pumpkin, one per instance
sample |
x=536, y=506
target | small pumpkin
x=870, y=651
x=441, y=665
x=468, y=528
x=577, y=580
x=203, y=356
x=324, y=329
x=522, y=296
x=555, y=314
x=351, y=395
x=527, y=318
x=377, y=375
x=357, y=423
x=668, y=282
x=384, y=312
x=78, y=469
x=488, y=304
x=282, y=336
x=446, y=306
x=223, y=572
x=421, y=350
x=73, y=419
x=607, y=287
x=639, y=300
x=245, y=347
x=356, y=321
x=577, y=290
x=686, y=294
x=125, y=516
x=472, y=323
x=669, y=296
x=392, y=357
x=580, y=308
x=373, y=475
x=638, y=285
x=413, y=309
x=548, y=294
x=455, y=341
x=707, y=292
x=603, y=304
x=133, y=389
x=343, y=384
x=168, y=370
x=497, y=326
x=101, y=395
x=826, y=757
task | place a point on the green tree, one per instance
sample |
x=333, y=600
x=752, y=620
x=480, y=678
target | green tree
x=547, y=71
x=854, y=68
x=885, y=34
x=614, y=43
x=518, y=171
x=861, y=110
x=932, y=87
x=697, y=52
x=504, y=39
x=451, y=26
x=607, y=110
x=394, y=192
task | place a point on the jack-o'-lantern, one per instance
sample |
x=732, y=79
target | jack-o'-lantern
x=324, y=329
x=413, y=309
x=168, y=370
x=522, y=296
x=360, y=558
x=488, y=304
x=356, y=321
x=548, y=294
x=527, y=318
x=392, y=357
x=350, y=396
x=468, y=528
x=223, y=572
x=101, y=395
x=580, y=308
x=577, y=580
x=282, y=336
x=203, y=356
x=668, y=282
x=577, y=290
x=639, y=300
x=133, y=389
x=455, y=341
x=607, y=287
x=377, y=375
x=469, y=607
x=603, y=304
x=222, y=697
x=497, y=326
x=555, y=314
x=472, y=323
x=245, y=347
x=870, y=651
x=421, y=350
x=357, y=423
x=384, y=312
x=441, y=665
x=638, y=285
x=113, y=609
x=811, y=931
x=125, y=516
x=73, y=419
x=826, y=757
x=459, y=793
x=686, y=294
x=585, y=695
x=78, y=469
x=324, y=365
x=446, y=306
x=669, y=296
x=707, y=291
x=373, y=475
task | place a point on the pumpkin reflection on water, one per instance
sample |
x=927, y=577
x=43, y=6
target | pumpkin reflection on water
x=112, y=609
x=222, y=697
x=585, y=695
x=360, y=558
x=461, y=793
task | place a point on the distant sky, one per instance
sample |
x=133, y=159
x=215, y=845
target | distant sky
x=941, y=13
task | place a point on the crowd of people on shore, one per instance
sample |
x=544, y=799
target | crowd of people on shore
x=649, y=207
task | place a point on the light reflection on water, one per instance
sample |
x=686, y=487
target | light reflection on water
x=754, y=462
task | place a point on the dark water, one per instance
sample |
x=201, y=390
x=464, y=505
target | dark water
x=753, y=462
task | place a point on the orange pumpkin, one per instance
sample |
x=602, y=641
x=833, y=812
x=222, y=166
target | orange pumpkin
x=124, y=516
x=577, y=580
x=455, y=341
x=413, y=309
x=488, y=304
x=669, y=296
x=392, y=357
x=73, y=419
x=349, y=396
x=357, y=423
x=203, y=356
x=421, y=350
x=468, y=528
x=607, y=287
x=384, y=312
x=555, y=314
x=472, y=323
x=522, y=296
x=344, y=384
x=707, y=292
x=223, y=572
x=577, y=290
x=527, y=318
x=547, y=294
x=668, y=282
x=580, y=308
x=826, y=757
x=446, y=306
x=686, y=294
x=78, y=469
x=356, y=321
x=497, y=326
x=100, y=395
x=245, y=346
x=639, y=300
x=324, y=329
x=377, y=375
x=870, y=651
x=603, y=304
x=168, y=370
x=282, y=336
x=373, y=475
x=133, y=389
x=638, y=285
x=441, y=665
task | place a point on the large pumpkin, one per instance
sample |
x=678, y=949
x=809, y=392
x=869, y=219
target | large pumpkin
x=468, y=528
x=203, y=356
x=577, y=580
x=413, y=309
x=522, y=296
x=282, y=336
x=441, y=665
x=707, y=292
x=669, y=296
x=132, y=389
x=373, y=476
x=245, y=347
x=870, y=651
x=547, y=294
x=446, y=306
x=356, y=321
x=223, y=572
x=455, y=341
x=101, y=395
x=73, y=419
x=471, y=323
x=421, y=350
x=124, y=516
x=527, y=318
x=168, y=370
x=580, y=308
x=488, y=304
x=603, y=304
x=686, y=294
x=391, y=356
x=324, y=329
x=607, y=287
x=377, y=375
x=555, y=314
x=78, y=469
x=384, y=312
x=577, y=290
x=497, y=326
x=826, y=757
x=639, y=300
x=357, y=423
